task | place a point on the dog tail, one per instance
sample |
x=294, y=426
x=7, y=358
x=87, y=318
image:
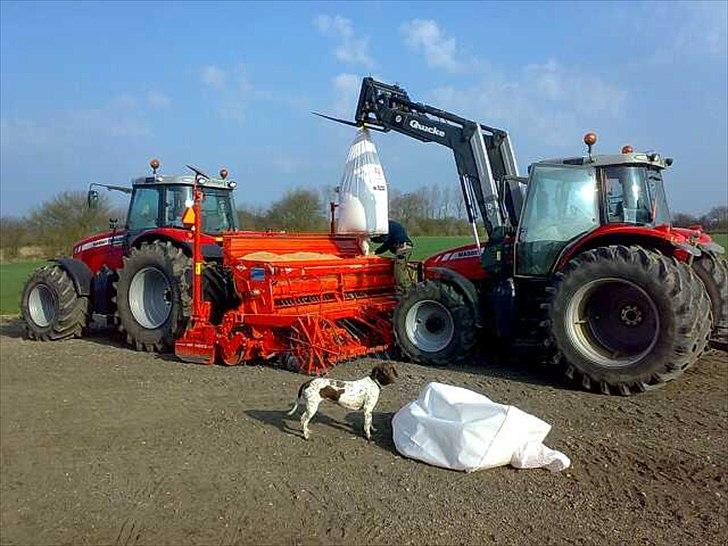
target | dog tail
x=294, y=408
x=298, y=398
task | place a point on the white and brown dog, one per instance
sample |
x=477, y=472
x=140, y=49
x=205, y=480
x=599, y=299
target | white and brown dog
x=354, y=395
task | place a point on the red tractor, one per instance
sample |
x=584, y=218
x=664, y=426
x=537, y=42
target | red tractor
x=580, y=262
x=137, y=277
x=182, y=276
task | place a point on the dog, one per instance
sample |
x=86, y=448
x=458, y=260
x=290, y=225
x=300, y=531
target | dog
x=354, y=395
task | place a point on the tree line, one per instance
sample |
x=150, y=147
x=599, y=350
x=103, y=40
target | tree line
x=54, y=225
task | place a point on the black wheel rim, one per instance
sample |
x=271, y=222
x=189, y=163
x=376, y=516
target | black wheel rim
x=613, y=322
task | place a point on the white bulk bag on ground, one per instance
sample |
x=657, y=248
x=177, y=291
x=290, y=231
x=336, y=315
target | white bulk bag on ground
x=363, y=206
x=460, y=429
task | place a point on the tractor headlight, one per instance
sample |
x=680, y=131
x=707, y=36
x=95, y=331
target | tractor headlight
x=232, y=184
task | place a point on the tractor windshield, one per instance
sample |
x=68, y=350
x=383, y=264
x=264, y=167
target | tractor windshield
x=218, y=210
x=561, y=204
x=635, y=195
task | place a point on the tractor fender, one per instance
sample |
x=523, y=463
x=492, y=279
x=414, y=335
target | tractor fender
x=658, y=239
x=711, y=247
x=461, y=283
x=80, y=274
x=210, y=251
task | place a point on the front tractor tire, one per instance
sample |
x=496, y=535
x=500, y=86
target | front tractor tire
x=627, y=319
x=712, y=270
x=50, y=306
x=153, y=296
x=434, y=325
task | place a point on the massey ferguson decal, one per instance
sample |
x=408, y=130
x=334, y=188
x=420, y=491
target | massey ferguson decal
x=114, y=241
x=460, y=255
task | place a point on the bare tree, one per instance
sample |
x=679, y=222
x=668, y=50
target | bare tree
x=252, y=218
x=683, y=219
x=297, y=210
x=716, y=219
x=59, y=222
x=13, y=235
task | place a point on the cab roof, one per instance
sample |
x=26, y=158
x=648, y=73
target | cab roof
x=180, y=180
x=650, y=160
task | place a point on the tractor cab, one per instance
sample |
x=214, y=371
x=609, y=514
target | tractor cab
x=160, y=201
x=156, y=212
x=567, y=198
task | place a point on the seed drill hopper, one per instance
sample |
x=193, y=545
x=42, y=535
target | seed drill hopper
x=307, y=300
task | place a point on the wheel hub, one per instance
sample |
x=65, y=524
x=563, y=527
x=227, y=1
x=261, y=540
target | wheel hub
x=150, y=297
x=429, y=326
x=631, y=315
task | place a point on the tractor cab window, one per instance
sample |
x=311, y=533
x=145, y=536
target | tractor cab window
x=627, y=196
x=561, y=205
x=660, y=211
x=218, y=211
x=144, y=209
x=176, y=199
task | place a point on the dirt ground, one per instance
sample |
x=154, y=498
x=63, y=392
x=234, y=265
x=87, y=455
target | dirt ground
x=104, y=445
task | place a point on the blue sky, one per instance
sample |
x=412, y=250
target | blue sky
x=91, y=91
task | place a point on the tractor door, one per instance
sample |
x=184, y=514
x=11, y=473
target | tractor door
x=561, y=205
x=144, y=211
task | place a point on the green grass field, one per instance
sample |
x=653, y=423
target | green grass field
x=12, y=279
x=13, y=276
x=721, y=239
x=427, y=246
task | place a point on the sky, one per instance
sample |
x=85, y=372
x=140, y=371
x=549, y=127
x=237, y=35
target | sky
x=89, y=92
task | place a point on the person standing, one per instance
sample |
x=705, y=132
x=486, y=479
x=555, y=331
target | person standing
x=398, y=243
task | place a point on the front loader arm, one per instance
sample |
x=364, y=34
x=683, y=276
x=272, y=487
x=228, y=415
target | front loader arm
x=483, y=155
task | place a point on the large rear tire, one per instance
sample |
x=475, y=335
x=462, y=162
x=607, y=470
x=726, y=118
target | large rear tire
x=434, y=325
x=153, y=296
x=627, y=319
x=712, y=270
x=50, y=306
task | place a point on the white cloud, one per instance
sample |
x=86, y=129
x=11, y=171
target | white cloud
x=350, y=48
x=232, y=90
x=584, y=92
x=703, y=28
x=346, y=91
x=551, y=103
x=426, y=37
x=158, y=100
x=213, y=76
x=121, y=118
x=669, y=32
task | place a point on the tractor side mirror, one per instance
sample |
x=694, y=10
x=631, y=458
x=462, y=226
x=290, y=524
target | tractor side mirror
x=92, y=199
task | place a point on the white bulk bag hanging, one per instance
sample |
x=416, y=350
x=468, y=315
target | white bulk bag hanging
x=363, y=203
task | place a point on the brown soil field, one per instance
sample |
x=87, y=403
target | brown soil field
x=104, y=445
